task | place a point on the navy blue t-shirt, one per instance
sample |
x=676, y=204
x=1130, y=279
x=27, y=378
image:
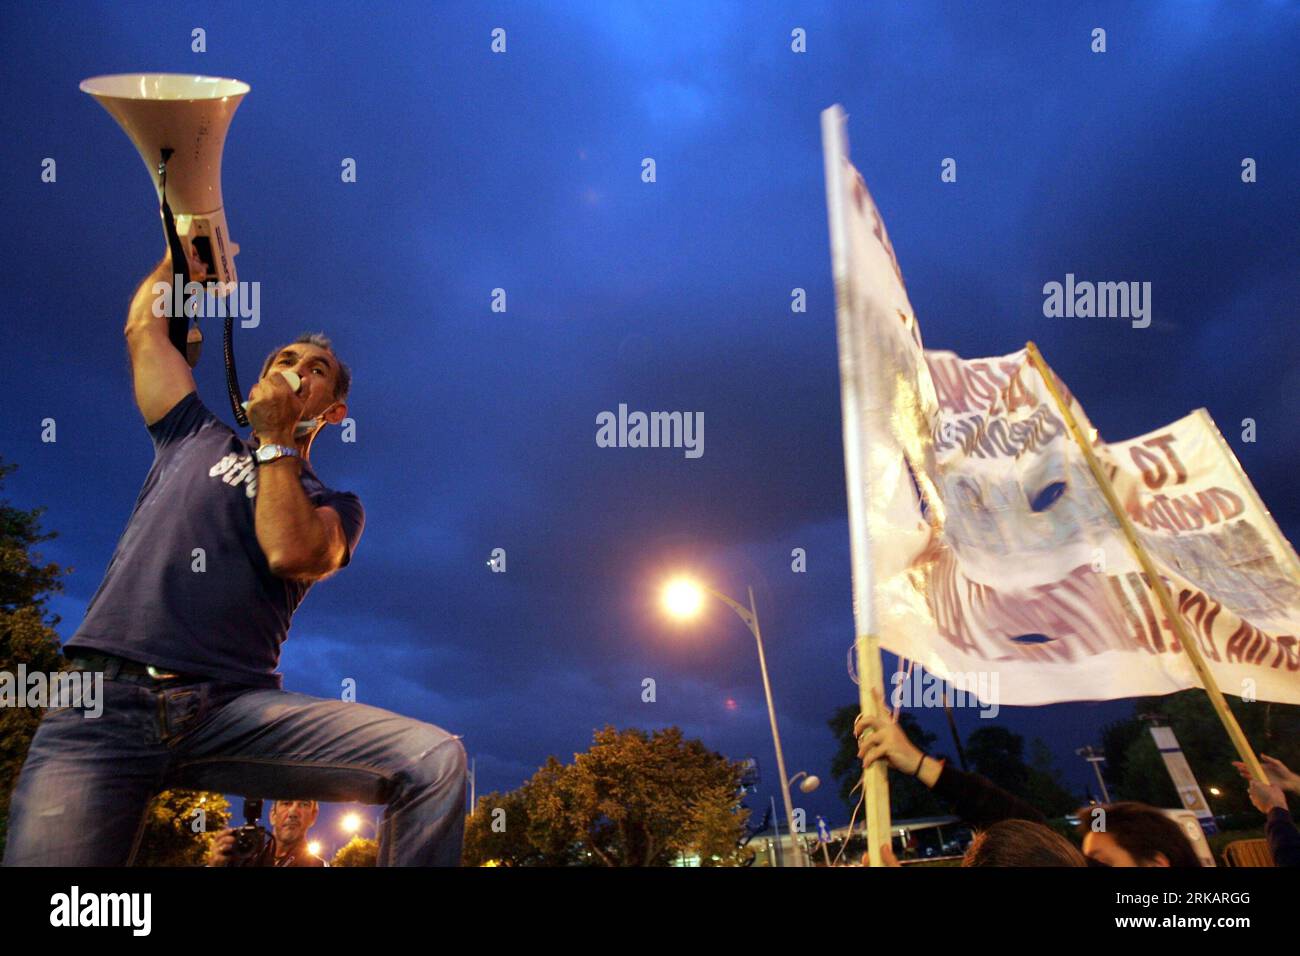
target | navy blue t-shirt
x=156, y=606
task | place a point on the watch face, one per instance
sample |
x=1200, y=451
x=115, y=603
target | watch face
x=267, y=452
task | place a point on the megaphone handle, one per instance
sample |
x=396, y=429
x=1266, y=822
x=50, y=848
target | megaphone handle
x=177, y=325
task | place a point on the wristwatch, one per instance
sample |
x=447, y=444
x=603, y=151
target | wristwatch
x=267, y=453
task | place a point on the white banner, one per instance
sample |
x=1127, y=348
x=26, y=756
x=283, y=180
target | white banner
x=991, y=547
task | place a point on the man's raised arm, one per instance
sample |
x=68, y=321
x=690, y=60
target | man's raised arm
x=161, y=375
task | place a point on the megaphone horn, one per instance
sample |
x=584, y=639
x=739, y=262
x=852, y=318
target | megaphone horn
x=178, y=123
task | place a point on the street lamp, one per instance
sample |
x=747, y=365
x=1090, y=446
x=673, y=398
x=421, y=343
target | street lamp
x=811, y=781
x=683, y=598
x=353, y=821
x=1095, y=757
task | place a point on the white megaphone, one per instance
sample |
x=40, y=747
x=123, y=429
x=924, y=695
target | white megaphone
x=178, y=123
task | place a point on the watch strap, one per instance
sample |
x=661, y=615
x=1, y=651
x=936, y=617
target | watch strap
x=281, y=451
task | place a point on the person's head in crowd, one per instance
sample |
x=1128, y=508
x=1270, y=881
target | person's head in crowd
x=1021, y=843
x=1133, y=834
x=291, y=820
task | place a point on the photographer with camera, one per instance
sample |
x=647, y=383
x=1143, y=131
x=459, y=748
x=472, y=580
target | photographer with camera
x=286, y=845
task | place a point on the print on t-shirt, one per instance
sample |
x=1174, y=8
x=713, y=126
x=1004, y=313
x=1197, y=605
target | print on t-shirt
x=234, y=468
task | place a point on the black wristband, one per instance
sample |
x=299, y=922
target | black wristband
x=920, y=763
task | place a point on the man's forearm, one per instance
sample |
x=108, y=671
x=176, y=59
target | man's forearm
x=289, y=531
x=160, y=375
x=149, y=301
x=143, y=328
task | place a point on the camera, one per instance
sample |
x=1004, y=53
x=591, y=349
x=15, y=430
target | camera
x=253, y=844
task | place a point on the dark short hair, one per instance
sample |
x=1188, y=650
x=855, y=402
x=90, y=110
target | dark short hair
x=286, y=800
x=1021, y=843
x=342, y=384
x=1142, y=831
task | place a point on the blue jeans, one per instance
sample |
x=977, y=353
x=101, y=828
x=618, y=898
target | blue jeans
x=82, y=794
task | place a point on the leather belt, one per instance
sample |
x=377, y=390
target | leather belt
x=120, y=668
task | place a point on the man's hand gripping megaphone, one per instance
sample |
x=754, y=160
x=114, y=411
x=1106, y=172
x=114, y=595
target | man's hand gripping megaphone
x=275, y=407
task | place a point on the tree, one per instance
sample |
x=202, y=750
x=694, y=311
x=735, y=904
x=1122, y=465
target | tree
x=999, y=754
x=1139, y=769
x=908, y=797
x=180, y=826
x=712, y=819
x=501, y=831
x=1116, y=739
x=1044, y=788
x=24, y=580
x=27, y=634
x=632, y=799
x=359, y=851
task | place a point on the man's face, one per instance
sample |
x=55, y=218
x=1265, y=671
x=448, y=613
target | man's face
x=317, y=368
x=1105, y=849
x=291, y=819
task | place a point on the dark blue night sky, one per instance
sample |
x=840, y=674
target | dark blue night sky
x=476, y=430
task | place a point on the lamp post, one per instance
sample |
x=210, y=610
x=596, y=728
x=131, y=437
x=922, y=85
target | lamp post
x=810, y=783
x=472, y=782
x=1095, y=757
x=682, y=598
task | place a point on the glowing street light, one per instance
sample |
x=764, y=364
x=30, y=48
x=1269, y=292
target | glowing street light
x=352, y=822
x=314, y=847
x=682, y=598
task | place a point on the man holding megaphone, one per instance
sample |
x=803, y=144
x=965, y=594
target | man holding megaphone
x=226, y=538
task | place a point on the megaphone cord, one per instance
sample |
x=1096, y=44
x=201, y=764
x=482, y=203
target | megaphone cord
x=232, y=378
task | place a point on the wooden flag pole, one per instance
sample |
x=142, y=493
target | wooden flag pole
x=875, y=779
x=1185, y=637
